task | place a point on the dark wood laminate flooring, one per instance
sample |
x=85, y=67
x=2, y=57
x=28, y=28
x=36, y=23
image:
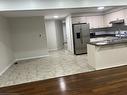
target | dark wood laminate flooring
x=104, y=82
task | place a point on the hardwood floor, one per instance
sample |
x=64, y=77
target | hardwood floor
x=104, y=82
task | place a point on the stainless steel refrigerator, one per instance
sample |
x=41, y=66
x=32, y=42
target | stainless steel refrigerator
x=81, y=36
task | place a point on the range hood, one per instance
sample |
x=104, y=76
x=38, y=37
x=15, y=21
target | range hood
x=121, y=21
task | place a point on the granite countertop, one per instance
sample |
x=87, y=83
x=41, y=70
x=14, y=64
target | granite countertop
x=109, y=42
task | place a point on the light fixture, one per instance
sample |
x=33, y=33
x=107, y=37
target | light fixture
x=56, y=16
x=100, y=8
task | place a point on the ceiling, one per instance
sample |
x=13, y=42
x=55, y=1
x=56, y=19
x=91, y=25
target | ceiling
x=9, y=5
x=49, y=8
x=59, y=12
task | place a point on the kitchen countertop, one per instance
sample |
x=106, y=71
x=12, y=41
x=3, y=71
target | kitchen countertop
x=109, y=42
x=102, y=39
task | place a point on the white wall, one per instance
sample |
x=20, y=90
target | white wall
x=69, y=34
x=59, y=34
x=54, y=34
x=27, y=42
x=64, y=33
x=51, y=34
x=6, y=53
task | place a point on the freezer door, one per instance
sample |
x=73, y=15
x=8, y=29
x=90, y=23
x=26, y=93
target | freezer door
x=81, y=38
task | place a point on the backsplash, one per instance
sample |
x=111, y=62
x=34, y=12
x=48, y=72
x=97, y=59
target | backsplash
x=119, y=31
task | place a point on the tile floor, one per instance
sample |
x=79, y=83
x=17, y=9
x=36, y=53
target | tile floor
x=60, y=63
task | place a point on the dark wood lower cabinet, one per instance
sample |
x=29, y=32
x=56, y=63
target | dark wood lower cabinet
x=104, y=82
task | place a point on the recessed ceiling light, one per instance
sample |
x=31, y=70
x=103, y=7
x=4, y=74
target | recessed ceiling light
x=56, y=16
x=100, y=8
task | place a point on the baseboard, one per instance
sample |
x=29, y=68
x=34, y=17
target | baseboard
x=30, y=54
x=52, y=50
x=7, y=67
x=60, y=48
x=20, y=59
